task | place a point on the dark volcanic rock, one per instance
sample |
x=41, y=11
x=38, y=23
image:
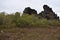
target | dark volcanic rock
x=48, y=13
x=47, y=8
x=29, y=11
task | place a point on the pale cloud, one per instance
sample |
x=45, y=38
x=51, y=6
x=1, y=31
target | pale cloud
x=19, y=5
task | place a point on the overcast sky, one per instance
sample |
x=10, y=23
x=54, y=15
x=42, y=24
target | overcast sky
x=11, y=6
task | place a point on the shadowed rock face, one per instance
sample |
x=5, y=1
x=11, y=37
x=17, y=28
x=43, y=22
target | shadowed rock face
x=47, y=9
x=29, y=11
x=48, y=13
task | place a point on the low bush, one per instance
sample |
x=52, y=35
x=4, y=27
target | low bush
x=8, y=21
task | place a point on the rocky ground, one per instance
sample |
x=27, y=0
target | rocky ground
x=30, y=34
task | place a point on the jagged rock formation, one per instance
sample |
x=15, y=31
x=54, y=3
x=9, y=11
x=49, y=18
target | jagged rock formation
x=29, y=11
x=48, y=13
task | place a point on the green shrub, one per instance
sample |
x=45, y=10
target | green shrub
x=10, y=20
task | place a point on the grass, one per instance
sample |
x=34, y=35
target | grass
x=30, y=34
x=29, y=27
x=10, y=21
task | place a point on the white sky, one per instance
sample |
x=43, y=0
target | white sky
x=11, y=6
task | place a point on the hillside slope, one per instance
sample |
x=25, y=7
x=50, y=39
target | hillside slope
x=30, y=34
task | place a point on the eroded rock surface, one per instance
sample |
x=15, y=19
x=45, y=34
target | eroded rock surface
x=48, y=13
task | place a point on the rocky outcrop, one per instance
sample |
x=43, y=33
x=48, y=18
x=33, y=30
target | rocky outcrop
x=29, y=11
x=48, y=13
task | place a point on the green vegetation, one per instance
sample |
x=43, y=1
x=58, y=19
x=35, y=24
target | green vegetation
x=30, y=18
x=15, y=20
